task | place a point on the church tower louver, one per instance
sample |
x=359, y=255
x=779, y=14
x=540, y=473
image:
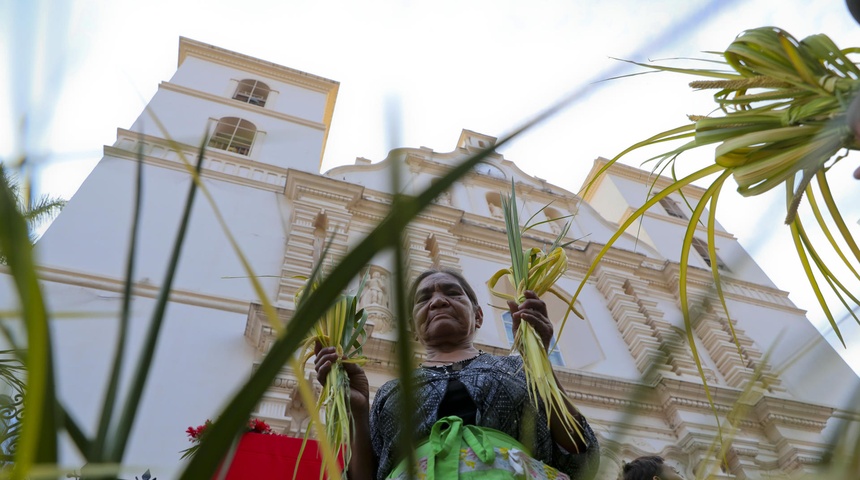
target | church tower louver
x=627, y=365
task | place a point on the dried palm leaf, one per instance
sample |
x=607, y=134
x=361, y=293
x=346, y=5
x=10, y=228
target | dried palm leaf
x=535, y=270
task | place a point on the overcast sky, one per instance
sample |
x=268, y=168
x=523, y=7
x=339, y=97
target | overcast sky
x=81, y=69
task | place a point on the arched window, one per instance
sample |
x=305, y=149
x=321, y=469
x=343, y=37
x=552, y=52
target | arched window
x=254, y=92
x=701, y=247
x=556, y=220
x=494, y=203
x=233, y=135
x=672, y=208
x=555, y=357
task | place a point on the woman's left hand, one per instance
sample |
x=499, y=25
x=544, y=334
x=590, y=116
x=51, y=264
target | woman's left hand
x=533, y=311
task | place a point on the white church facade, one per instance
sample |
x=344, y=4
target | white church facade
x=627, y=365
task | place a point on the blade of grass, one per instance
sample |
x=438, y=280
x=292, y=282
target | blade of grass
x=804, y=261
x=836, y=215
x=712, y=253
x=638, y=214
x=683, y=268
x=125, y=423
x=822, y=225
x=38, y=440
x=109, y=403
x=268, y=308
x=404, y=342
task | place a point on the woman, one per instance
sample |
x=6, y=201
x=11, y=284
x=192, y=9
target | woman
x=458, y=380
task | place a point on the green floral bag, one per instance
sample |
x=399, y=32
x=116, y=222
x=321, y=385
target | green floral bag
x=466, y=452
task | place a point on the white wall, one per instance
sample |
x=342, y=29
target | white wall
x=92, y=233
x=200, y=361
x=187, y=119
x=216, y=79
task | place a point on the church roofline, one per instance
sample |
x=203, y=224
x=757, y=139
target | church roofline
x=196, y=48
x=626, y=171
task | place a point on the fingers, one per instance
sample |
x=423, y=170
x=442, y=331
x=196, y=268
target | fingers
x=515, y=317
x=351, y=369
x=325, y=358
x=534, y=302
x=532, y=310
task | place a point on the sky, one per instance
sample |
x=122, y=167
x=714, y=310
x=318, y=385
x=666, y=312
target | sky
x=78, y=70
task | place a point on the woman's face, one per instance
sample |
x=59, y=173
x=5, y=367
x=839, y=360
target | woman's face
x=443, y=312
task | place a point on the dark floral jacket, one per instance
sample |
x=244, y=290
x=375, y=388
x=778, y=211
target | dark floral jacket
x=498, y=387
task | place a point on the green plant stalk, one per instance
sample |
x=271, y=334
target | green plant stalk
x=305, y=392
x=405, y=358
x=129, y=412
x=682, y=282
x=37, y=443
x=636, y=215
x=834, y=283
x=819, y=218
x=98, y=445
x=712, y=253
x=804, y=261
x=344, y=328
x=533, y=270
x=837, y=217
x=269, y=310
x=337, y=413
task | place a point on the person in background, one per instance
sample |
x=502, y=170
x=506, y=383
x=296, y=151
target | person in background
x=649, y=468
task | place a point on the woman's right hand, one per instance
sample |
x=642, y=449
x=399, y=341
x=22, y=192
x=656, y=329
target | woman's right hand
x=359, y=387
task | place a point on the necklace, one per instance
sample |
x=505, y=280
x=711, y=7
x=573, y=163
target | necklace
x=452, y=366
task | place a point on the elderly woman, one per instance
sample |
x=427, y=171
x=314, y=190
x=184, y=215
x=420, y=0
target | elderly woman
x=457, y=383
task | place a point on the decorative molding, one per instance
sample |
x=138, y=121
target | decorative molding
x=216, y=164
x=211, y=53
x=209, y=97
x=140, y=288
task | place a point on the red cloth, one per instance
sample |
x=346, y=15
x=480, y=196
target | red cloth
x=264, y=457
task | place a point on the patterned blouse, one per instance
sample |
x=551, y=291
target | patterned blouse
x=498, y=387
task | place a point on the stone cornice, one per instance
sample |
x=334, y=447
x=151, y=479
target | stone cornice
x=703, y=282
x=194, y=48
x=793, y=413
x=140, y=289
x=308, y=185
x=616, y=257
x=424, y=160
x=214, y=163
x=243, y=105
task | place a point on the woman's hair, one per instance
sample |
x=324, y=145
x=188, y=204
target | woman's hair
x=470, y=292
x=642, y=468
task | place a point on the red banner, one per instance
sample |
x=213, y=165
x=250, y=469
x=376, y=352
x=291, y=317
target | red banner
x=264, y=457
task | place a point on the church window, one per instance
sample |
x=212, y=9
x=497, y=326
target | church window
x=490, y=170
x=555, y=220
x=702, y=248
x=254, y=92
x=555, y=357
x=233, y=135
x=672, y=208
x=494, y=203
